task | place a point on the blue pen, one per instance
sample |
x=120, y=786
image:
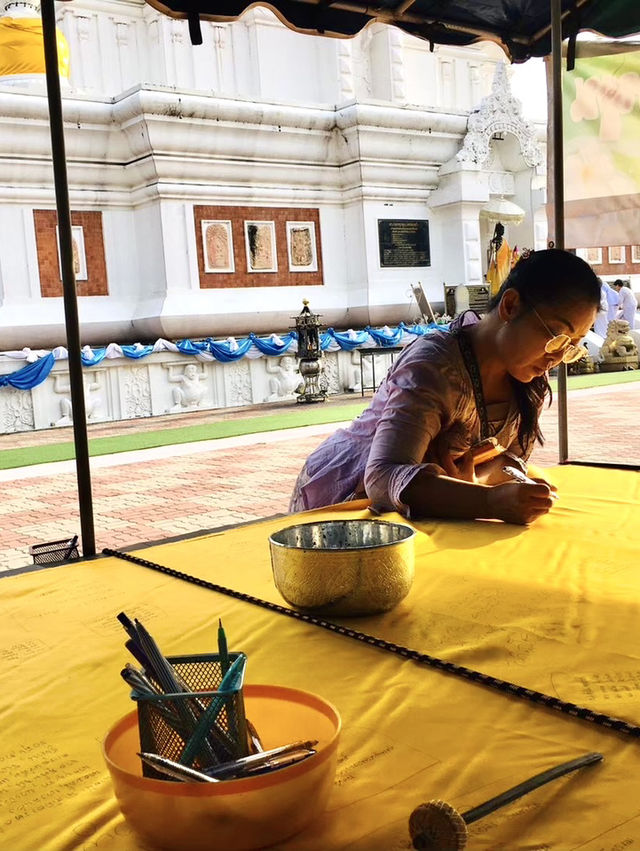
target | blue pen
x=231, y=681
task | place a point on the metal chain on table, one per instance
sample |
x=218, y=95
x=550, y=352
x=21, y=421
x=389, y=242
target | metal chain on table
x=504, y=686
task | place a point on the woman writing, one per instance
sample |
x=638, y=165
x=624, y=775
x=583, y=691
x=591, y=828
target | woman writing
x=412, y=449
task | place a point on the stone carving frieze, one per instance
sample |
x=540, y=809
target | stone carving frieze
x=136, y=401
x=283, y=378
x=345, y=70
x=16, y=410
x=189, y=386
x=331, y=372
x=396, y=58
x=94, y=405
x=499, y=112
x=238, y=383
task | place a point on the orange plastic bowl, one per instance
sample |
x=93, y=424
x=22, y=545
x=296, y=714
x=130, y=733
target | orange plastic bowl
x=234, y=815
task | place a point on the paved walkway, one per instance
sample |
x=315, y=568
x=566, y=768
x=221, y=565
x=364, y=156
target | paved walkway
x=159, y=493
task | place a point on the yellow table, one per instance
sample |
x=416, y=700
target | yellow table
x=554, y=607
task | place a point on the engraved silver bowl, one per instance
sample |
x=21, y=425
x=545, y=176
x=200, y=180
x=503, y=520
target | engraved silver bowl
x=343, y=567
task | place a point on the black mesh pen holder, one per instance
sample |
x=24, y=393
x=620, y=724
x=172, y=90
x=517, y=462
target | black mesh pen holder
x=167, y=722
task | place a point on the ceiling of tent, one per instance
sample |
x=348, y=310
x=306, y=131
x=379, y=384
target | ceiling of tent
x=521, y=27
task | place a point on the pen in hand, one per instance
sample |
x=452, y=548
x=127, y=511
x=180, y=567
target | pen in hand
x=519, y=476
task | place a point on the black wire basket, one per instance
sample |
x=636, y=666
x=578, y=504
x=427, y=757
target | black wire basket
x=55, y=551
x=166, y=722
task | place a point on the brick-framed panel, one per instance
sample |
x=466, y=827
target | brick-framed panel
x=45, y=222
x=620, y=270
x=241, y=277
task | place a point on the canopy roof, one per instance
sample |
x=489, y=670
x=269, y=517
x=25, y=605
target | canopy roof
x=521, y=27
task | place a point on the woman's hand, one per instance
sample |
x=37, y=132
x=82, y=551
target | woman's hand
x=540, y=481
x=515, y=502
x=460, y=468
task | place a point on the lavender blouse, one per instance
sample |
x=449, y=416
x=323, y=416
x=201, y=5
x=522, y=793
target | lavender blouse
x=425, y=407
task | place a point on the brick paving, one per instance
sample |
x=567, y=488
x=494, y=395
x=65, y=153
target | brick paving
x=234, y=480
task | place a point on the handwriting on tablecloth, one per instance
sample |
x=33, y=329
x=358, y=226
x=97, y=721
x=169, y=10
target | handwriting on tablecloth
x=37, y=776
x=609, y=686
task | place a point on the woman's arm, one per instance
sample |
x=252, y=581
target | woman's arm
x=442, y=496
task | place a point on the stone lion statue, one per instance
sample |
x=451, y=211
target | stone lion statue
x=619, y=350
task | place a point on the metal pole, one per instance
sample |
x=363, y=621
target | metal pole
x=558, y=199
x=83, y=472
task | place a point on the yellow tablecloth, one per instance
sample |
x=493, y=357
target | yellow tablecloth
x=554, y=607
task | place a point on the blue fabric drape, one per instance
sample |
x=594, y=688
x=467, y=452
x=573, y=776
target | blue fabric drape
x=421, y=330
x=393, y=338
x=98, y=357
x=269, y=347
x=29, y=376
x=225, y=351
x=136, y=351
x=344, y=339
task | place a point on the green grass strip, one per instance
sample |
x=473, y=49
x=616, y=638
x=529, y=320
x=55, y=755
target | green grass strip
x=300, y=416
x=598, y=379
x=294, y=418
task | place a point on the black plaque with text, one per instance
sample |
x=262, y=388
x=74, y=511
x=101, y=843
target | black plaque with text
x=404, y=242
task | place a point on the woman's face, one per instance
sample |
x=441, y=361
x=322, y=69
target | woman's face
x=523, y=336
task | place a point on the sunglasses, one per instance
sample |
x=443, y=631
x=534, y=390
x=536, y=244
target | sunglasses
x=561, y=344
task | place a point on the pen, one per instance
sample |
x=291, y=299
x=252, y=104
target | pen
x=262, y=759
x=283, y=761
x=519, y=476
x=254, y=742
x=71, y=547
x=223, y=651
x=174, y=769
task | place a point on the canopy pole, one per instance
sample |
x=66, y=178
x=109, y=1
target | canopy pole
x=83, y=473
x=558, y=200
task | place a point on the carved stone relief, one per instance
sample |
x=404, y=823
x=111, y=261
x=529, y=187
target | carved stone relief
x=83, y=26
x=284, y=380
x=345, y=70
x=177, y=31
x=396, y=57
x=362, y=63
x=136, y=393
x=501, y=183
x=356, y=376
x=499, y=112
x=95, y=408
x=238, y=383
x=189, y=388
x=122, y=33
x=331, y=373
x=16, y=410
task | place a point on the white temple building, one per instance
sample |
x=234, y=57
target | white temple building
x=214, y=187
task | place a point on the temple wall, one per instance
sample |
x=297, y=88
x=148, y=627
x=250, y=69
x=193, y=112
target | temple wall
x=158, y=384
x=256, y=117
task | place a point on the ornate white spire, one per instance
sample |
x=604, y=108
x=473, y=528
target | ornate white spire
x=500, y=112
x=21, y=9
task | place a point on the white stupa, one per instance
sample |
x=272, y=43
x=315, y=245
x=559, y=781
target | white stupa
x=21, y=47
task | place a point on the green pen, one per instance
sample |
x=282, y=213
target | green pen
x=223, y=650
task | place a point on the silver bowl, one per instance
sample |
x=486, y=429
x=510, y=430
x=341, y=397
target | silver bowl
x=343, y=567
